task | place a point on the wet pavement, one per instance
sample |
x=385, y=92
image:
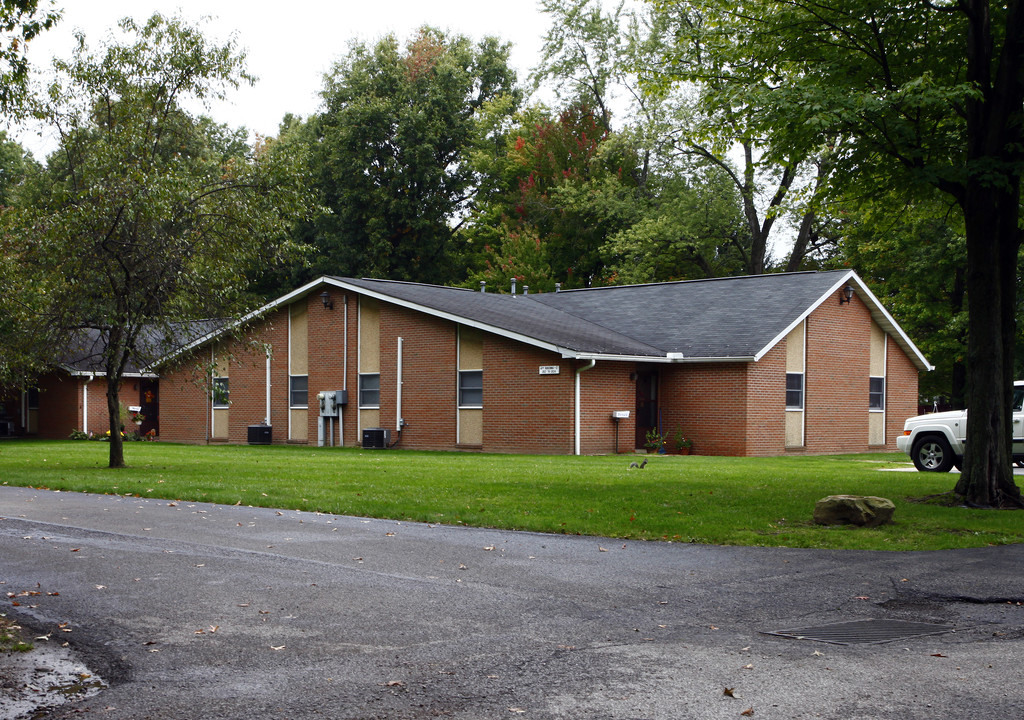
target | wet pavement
x=196, y=610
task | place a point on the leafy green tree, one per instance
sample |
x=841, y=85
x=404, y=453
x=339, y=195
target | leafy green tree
x=392, y=152
x=912, y=252
x=692, y=227
x=926, y=94
x=16, y=167
x=147, y=216
x=20, y=22
x=611, y=60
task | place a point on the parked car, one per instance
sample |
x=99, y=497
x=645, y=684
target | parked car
x=935, y=442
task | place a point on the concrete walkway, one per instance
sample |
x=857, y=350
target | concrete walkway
x=203, y=611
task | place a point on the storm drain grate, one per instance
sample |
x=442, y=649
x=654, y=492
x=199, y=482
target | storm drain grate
x=863, y=632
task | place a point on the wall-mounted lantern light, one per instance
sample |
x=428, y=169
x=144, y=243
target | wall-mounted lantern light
x=325, y=298
x=845, y=295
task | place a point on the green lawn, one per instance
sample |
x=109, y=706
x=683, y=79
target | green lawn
x=730, y=501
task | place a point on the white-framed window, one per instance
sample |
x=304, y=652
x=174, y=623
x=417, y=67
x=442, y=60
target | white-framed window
x=221, y=392
x=876, y=393
x=794, y=391
x=298, y=391
x=471, y=388
x=369, y=390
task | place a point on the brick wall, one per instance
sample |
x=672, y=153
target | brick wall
x=603, y=389
x=726, y=408
x=429, y=378
x=60, y=406
x=901, y=392
x=525, y=411
x=708, y=401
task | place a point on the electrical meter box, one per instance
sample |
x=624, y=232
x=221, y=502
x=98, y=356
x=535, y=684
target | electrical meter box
x=331, y=402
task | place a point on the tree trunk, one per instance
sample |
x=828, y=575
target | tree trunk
x=991, y=206
x=114, y=410
x=987, y=477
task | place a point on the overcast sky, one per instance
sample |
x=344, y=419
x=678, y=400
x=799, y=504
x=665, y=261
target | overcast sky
x=291, y=44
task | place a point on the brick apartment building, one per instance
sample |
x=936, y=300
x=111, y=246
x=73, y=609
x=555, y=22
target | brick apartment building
x=761, y=365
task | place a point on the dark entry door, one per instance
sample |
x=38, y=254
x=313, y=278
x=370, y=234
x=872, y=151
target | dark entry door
x=646, y=404
x=149, y=399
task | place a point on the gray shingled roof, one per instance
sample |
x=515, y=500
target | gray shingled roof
x=720, y=318
x=84, y=352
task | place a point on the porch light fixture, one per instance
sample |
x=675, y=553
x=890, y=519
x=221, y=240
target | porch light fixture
x=845, y=296
x=325, y=298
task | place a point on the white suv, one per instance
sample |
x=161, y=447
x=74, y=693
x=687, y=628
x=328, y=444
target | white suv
x=935, y=442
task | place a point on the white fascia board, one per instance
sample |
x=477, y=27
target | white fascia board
x=667, y=359
x=101, y=373
x=875, y=307
x=263, y=310
x=512, y=335
x=888, y=323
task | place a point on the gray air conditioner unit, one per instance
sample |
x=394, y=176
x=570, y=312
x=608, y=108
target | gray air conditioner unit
x=376, y=438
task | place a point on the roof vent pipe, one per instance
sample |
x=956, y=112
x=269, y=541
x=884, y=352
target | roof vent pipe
x=483, y=286
x=526, y=289
x=558, y=287
x=513, y=286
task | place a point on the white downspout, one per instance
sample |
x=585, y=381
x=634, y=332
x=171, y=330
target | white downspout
x=344, y=378
x=579, y=372
x=85, y=403
x=266, y=420
x=398, y=398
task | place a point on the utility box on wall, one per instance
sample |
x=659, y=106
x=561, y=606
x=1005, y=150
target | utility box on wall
x=376, y=438
x=331, y=402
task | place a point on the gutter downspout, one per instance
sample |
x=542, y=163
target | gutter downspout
x=85, y=403
x=398, y=388
x=579, y=372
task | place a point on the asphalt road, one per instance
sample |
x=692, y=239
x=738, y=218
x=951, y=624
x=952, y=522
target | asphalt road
x=187, y=610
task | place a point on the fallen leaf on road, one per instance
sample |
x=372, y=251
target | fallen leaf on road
x=394, y=683
x=939, y=655
x=748, y=712
x=728, y=692
x=277, y=647
x=601, y=549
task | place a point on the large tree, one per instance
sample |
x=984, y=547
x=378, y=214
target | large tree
x=921, y=93
x=611, y=59
x=147, y=216
x=20, y=22
x=392, y=148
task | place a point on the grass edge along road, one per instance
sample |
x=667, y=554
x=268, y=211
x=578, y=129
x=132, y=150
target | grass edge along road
x=702, y=499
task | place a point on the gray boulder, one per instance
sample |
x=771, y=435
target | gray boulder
x=863, y=510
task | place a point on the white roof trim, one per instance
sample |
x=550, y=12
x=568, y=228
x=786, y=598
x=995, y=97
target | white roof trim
x=878, y=313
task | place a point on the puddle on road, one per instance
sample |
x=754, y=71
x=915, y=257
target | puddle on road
x=34, y=682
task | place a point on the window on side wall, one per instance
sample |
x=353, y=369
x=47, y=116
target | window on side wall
x=794, y=391
x=221, y=392
x=369, y=390
x=298, y=391
x=471, y=388
x=876, y=393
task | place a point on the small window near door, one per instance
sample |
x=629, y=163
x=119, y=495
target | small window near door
x=794, y=391
x=876, y=393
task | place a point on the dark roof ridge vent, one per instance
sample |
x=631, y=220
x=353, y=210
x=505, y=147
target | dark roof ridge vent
x=701, y=280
